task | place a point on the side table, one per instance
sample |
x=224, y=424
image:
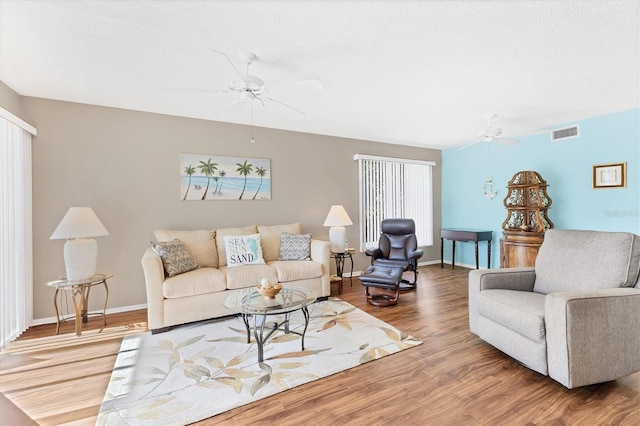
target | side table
x=340, y=258
x=80, y=290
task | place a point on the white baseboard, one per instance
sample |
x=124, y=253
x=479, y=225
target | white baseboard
x=464, y=265
x=52, y=320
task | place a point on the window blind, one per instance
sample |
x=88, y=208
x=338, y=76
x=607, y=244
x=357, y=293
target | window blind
x=16, y=251
x=394, y=188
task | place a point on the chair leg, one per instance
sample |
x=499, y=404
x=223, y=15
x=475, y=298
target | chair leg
x=406, y=285
x=382, y=299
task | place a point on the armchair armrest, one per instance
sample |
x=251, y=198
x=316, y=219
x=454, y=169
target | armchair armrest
x=373, y=253
x=416, y=254
x=153, y=278
x=592, y=336
x=520, y=279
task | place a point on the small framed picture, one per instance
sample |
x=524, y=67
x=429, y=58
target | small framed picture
x=610, y=175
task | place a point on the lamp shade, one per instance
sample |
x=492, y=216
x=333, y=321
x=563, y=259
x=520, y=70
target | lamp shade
x=337, y=217
x=79, y=222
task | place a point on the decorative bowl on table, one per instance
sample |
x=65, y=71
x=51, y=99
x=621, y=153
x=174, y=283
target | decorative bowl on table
x=270, y=291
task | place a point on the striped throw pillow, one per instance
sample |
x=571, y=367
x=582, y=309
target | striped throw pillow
x=295, y=246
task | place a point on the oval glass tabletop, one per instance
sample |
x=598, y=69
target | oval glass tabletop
x=288, y=300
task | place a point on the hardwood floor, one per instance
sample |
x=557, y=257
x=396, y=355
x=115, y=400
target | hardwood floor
x=452, y=378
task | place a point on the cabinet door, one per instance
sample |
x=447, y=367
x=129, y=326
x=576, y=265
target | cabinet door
x=516, y=255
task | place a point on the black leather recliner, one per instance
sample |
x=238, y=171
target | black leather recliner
x=398, y=246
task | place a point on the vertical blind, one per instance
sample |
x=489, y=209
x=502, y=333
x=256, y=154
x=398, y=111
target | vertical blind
x=16, y=264
x=394, y=188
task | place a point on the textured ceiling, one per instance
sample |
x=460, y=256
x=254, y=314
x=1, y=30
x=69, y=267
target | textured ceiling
x=415, y=73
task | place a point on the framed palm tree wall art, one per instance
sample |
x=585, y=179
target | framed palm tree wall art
x=213, y=177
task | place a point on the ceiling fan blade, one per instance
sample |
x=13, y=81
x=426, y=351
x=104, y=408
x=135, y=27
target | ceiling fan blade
x=231, y=63
x=234, y=103
x=193, y=90
x=469, y=144
x=288, y=109
x=312, y=85
x=508, y=141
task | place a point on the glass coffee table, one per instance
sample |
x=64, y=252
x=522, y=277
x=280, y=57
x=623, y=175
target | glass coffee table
x=254, y=305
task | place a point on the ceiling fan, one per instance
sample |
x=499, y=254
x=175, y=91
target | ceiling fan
x=492, y=134
x=251, y=88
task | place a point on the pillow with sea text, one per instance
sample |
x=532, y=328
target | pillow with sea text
x=243, y=250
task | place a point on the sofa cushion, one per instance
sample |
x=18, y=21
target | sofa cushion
x=572, y=260
x=294, y=247
x=520, y=311
x=175, y=258
x=293, y=270
x=201, y=244
x=220, y=234
x=248, y=275
x=270, y=237
x=199, y=281
x=243, y=250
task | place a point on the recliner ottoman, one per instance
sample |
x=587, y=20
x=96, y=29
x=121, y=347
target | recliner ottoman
x=385, y=277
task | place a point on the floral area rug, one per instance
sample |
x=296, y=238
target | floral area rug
x=197, y=371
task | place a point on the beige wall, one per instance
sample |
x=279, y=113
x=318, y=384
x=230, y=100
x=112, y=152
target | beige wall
x=11, y=101
x=124, y=164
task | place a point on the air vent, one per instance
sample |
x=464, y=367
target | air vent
x=566, y=133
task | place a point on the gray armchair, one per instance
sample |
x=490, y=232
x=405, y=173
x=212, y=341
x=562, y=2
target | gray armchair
x=574, y=316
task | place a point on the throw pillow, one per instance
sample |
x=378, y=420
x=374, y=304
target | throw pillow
x=222, y=232
x=270, y=238
x=175, y=258
x=243, y=250
x=295, y=247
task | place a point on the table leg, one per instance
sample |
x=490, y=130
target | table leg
x=305, y=312
x=339, y=266
x=85, y=305
x=476, y=252
x=286, y=322
x=78, y=296
x=489, y=254
x=106, y=298
x=351, y=276
x=259, y=335
x=55, y=306
x=441, y=253
x=453, y=254
x=245, y=319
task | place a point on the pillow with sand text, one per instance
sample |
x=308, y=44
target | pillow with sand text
x=243, y=250
x=175, y=258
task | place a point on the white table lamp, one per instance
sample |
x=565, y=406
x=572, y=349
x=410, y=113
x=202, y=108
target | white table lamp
x=80, y=250
x=337, y=219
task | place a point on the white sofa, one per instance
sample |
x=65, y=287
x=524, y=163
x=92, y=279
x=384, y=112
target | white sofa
x=200, y=293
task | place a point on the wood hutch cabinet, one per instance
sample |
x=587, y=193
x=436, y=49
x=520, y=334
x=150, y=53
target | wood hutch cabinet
x=527, y=203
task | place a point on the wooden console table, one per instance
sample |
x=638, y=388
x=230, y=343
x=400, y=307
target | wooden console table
x=465, y=235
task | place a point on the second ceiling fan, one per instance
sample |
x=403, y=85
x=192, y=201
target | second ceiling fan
x=492, y=134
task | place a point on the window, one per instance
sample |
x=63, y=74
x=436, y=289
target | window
x=16, y=264
x=394, y=188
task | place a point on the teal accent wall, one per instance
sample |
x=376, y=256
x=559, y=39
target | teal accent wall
x=566, y=166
